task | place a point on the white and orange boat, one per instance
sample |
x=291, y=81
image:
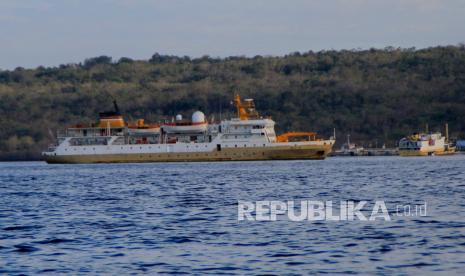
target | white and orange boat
x=141, y=128
x=426, y=144
x=247, y=137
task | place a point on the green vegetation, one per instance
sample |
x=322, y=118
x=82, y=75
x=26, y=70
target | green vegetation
x=375, y=95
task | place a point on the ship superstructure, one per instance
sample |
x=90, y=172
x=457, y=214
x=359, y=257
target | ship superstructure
x=247, y=137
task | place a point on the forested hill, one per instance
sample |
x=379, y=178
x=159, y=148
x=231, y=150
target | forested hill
x=377, y=96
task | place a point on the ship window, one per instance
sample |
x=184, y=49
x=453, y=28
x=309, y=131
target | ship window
x=235, y=136
x=218, y=147
x=235, y=146
x=245, y=146
x=263, y=144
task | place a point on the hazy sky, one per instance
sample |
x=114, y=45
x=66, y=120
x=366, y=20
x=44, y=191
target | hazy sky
x=53, y=32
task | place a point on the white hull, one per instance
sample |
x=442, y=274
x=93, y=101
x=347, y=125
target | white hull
x=193, y=152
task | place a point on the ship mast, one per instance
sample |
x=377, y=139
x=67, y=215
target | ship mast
x=447, y=132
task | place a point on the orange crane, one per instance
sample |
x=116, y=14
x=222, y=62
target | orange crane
x=245, y=109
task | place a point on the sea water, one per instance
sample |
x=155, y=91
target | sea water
x=180, y=218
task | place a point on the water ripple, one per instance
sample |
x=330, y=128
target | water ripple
x=181, y=218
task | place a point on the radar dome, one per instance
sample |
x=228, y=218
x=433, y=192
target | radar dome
x=179, y=117
x=198, y=117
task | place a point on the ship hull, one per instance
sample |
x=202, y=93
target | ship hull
x=409, y=153
x=314, y=152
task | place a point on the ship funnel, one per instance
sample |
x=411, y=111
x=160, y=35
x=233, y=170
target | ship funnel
x=115, y=106
x=112, y=119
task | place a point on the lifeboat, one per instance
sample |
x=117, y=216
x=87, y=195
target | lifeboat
x=179, y=127
x=198, y=124
x=142, y=128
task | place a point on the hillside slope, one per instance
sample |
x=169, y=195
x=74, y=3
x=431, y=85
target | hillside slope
x=375, y=95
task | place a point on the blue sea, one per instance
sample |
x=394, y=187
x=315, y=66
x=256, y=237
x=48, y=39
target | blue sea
x=182, y=218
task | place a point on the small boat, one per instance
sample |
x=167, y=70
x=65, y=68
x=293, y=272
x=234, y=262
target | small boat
x=426, y=144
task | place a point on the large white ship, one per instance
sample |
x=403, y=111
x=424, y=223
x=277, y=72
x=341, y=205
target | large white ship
x=247, y=137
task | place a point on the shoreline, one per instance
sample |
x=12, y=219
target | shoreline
x=332, y=155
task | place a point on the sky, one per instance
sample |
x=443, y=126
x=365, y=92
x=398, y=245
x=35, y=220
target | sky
x=54, y=32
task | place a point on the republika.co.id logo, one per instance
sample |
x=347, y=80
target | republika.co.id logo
x=313, y=210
